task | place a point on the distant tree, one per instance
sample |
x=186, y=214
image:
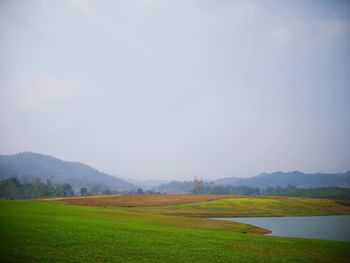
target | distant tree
x=50, y=188
x=197, y=185
x=151, y=192
x=139, y=191
x=10, y=188
x=84, y=191
x=96, y=189
x=175, y=187
x=39, y=188
x=107, y=192
x=67, y=189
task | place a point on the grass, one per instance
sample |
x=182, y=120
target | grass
x=140, y=200
x=257, y=206
x=216, y=205
x=47, y=231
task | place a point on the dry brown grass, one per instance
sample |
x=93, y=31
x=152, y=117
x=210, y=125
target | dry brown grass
x=140, y=200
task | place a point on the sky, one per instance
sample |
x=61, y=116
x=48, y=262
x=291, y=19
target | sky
x=161, y=89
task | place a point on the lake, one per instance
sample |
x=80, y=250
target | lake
x=322, y=227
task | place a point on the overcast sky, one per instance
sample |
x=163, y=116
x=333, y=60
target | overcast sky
x=174, y=89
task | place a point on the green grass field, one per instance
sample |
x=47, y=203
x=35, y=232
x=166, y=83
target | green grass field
x=47, y=231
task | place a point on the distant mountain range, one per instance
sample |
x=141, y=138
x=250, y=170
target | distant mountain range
x=28, y=166
x=264, y=180
x=299, y=179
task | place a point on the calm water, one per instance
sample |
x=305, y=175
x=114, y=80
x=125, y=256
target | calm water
x=323, y=227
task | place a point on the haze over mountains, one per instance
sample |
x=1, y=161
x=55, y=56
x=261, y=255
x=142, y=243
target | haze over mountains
x=296, y=178
x=28, y=166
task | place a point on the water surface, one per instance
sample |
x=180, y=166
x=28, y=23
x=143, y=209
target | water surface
x=322, y=227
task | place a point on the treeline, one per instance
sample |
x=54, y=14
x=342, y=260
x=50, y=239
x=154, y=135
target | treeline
x=231, y=189
x=337, y=193
x=12, y=188
x=200, y=187
x=96, y=191
x=320, y=192
x=175, y=187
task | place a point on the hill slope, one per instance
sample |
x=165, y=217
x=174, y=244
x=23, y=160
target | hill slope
x=28, y=166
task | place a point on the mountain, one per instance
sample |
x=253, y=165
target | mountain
x=146, y=184
x=296, y=178
x=28, y=166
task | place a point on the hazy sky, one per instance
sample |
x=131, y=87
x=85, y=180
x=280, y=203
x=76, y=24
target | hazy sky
x=175, y=89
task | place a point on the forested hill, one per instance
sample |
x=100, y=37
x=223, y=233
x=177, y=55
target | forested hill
x=295, y=178
x=28, y=166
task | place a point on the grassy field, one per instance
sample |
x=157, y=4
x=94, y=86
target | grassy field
x=51, y=231
x=257, y=206
x=215, y=205
x=140, y=200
